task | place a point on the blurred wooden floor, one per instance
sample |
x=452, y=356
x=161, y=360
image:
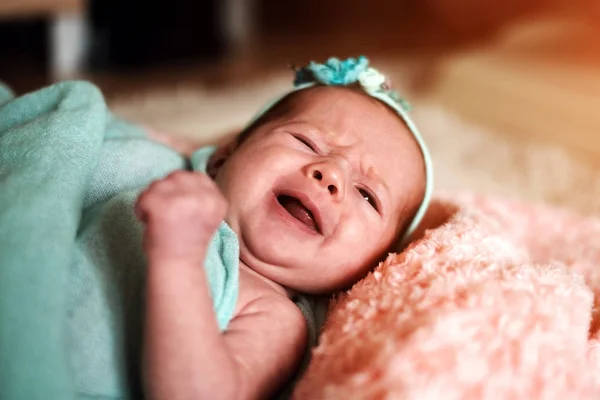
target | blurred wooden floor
x=541, y=80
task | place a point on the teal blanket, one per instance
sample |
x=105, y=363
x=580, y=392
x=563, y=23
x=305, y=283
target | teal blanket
x=71, y=265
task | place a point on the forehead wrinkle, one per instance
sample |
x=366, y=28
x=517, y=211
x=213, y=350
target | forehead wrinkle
x=332, y=137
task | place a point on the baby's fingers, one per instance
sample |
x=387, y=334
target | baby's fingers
x=157, y=189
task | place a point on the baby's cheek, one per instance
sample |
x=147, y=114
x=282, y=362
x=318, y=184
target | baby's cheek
x=371, y=239
x=358, y=236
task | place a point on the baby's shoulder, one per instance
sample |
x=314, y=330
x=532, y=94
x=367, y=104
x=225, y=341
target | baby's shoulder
x=257, y=297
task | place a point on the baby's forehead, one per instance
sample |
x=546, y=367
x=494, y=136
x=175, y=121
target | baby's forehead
x=347, y=115
x=327, y=97
x=344, y=110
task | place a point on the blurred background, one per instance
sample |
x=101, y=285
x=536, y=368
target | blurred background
x=506, y=92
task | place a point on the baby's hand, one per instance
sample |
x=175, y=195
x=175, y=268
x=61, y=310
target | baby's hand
x=181, y=213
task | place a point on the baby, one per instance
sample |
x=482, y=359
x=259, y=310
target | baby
x=317, y=190
x=310, y=196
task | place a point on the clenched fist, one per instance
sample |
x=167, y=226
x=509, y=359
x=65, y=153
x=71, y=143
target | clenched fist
x=181, y=213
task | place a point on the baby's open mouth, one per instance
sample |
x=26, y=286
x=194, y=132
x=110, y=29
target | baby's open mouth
x=298, y=211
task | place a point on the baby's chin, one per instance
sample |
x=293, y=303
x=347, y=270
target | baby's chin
x=306, y=263
x=298, y=275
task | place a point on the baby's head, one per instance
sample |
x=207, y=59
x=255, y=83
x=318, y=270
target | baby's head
x=323, y=184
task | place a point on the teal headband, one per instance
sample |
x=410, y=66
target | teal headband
x=356, y=72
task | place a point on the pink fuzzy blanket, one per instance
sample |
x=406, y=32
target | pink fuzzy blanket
x=495, y=300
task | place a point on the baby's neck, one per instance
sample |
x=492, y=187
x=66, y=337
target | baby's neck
x=279, y=288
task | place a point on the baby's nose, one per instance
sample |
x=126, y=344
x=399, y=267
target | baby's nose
x=329, y=176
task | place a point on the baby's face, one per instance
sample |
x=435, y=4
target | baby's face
x=318, y=193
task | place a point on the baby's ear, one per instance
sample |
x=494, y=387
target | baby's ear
x=219, y=157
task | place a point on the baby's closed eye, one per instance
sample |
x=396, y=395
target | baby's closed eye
x=308, y=143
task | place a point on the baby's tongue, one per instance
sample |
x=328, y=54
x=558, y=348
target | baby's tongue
x=298, y=211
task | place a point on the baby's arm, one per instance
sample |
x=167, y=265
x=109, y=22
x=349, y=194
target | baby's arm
x=186, y=355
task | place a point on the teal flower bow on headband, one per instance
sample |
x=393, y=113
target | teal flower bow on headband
x=351, y=71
